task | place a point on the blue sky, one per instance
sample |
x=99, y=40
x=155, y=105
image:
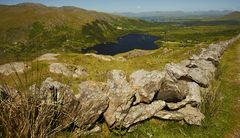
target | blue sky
x=140, y=5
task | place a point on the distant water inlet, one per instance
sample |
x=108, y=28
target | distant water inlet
x=124, y=44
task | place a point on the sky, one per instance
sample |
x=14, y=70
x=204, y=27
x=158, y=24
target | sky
x=139, y=5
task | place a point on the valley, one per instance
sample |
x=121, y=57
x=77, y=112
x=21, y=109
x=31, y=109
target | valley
x=95, y=74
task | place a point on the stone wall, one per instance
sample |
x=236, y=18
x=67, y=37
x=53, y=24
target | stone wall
x=171, y=94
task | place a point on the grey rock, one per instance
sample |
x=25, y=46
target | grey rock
x=93, y=102
x=106, y=58
x=212, y=56
x=176, y=71
x=47, y=57
x=121, y=96
x=60, y=68
x=172, y=91
x=193, y=97
x=204, y=65
x=189, y=114
x=142, y=112
x=169, y=115
x=184, y=63
x=200, y=76
x=68, y=70
x=192, y=115
x=14, y=67
x=146, y=84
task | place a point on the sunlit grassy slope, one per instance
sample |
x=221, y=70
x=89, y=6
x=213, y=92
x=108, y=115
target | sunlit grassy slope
x=221, y=108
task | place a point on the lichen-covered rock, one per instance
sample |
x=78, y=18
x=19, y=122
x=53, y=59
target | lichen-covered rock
x=192, y=115
x=48, y=56
x=121, y=96
x=93, y=103
x=189, y=114
x=184, y=63
x=193, y=97
x=176, y=71
x=172, y=91
x=204, y=65
x=14, y=67
x=209, y=55
x=200, y=76
x=169, y=115
x=146, y=84
x=106, y=58
x=67, y=70
x=142, y=112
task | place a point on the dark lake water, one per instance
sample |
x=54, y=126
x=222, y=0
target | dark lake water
x=124, y=44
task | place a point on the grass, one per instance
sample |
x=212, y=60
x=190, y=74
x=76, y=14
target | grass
x=220, y=107
x=183, y=42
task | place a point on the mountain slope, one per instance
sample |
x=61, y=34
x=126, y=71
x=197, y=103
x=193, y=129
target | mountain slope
x=232, y=16
x=18, y=19
x=27, y=13
x=31, y=29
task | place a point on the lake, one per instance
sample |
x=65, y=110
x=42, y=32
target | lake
x=124, y=44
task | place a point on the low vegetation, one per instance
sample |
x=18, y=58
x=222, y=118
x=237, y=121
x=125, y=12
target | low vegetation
x=178, y=41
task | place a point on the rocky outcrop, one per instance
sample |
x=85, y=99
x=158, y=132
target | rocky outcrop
x=106, y=58
x=68, y=70
x=15, y=67
x=48, y=57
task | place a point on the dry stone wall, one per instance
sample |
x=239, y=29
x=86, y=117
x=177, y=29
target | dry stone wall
x=171, y=94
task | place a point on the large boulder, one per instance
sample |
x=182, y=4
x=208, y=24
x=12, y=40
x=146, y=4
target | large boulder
x=176, y=71
x=93, y=103
x=142, y=112
x=121, y=96
x=146, y=84
x=200, y=76
x=193, y=97
x=172, y=91
x=67, y=70
x=14, y=67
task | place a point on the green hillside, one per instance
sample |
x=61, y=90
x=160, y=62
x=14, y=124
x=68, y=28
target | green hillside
x=32, y=28
x=233, y=16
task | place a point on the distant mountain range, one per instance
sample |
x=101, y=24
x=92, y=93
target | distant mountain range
x=232, y=16
x=172, y=15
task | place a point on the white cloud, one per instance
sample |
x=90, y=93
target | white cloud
x=139, y=7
